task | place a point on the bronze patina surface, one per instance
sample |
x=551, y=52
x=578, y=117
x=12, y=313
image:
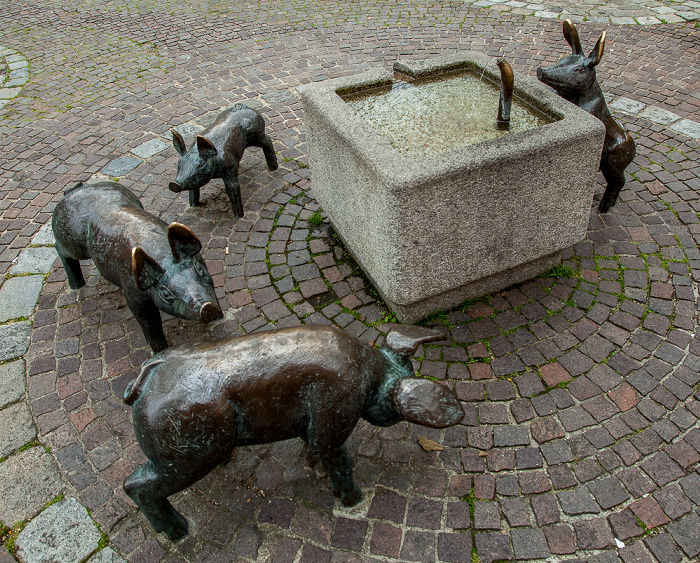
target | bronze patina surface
x=217, y=153
x=505, y=99
x=158, y=266
x=193, y=404
x=574, y=79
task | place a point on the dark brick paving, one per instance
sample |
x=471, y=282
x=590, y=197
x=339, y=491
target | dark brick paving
x=581, y=394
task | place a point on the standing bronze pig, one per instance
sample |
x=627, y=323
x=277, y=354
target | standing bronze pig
x=193, y=404
x=158, y=266
x=217, y=153
x=574, y=79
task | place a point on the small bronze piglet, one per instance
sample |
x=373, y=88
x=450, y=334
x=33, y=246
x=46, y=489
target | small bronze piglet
x=193, y=404
x=158, y=266
x=574, y=79
x=217, y=153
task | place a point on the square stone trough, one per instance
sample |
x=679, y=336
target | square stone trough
x=435, y=230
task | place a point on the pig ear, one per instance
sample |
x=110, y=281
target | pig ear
x=571, y=36
x=146, y=270
x=597, y=52
x=426, y=402
x=179, y=142
x=405, y=339
x=183, y=242
x=205, y=148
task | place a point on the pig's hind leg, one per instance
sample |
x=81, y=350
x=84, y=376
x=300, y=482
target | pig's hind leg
x=615, y=179
x=185, y=448
x=72, y=268
x=269, y=152
x=149, y=488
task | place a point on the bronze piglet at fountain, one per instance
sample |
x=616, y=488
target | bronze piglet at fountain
x=158, y=266
x=574, y=79
x=217, y=153
x=193, y=404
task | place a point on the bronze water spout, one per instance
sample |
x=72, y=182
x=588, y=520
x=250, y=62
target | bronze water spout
x=506, y=97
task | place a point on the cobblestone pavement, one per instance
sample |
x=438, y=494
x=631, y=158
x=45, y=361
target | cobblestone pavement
x=581, y=439
x=620, y=12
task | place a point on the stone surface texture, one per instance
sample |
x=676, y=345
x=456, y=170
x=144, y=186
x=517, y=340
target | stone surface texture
x=43, y=539
x=580, y=393
x=15, y=339
x=18, y=296
x=431, y=232
x=18, y=428
x=32, y=471
x=12, y=387
x=34, y=260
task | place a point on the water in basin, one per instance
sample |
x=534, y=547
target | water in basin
x=434, y=115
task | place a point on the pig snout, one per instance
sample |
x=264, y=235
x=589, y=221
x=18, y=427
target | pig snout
x=425, y=402
x=210, y=312
x=545, y=76
x=175, y=187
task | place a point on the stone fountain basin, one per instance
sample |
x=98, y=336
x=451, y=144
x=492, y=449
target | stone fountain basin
x=432, y=231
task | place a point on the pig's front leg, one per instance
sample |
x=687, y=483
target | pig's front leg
x=233, y=189
x=73, y=271
x=194, y=197
x=338, y=462
x=148, y=316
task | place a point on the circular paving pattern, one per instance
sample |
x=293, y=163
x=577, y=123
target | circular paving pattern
x=581, y=429
x=578, y=391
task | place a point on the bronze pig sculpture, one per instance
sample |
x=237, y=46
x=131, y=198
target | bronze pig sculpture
x=158, y=266
x=574, y=79
x=217, y=153
x=193, y=404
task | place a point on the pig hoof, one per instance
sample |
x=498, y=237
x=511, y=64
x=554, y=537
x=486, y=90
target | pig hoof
x=352, y=498
x=76, y=284
x=177, y=529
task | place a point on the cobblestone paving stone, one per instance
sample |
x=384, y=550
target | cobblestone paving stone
x=580, y=391
x=621, y=12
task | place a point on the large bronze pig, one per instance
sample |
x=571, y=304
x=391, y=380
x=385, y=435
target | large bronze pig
x=158, y=266
x=574, y=79
x=217, y=153
x=193, y=404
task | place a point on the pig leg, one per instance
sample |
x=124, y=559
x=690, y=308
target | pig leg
x=326, y=438
x=233, y=189
x=148, y=316
x=149, y=488
x=616, y=181
x=338, y=463
x=73, y=271
x=269, y=152
x=194, y=197
x=186, y=446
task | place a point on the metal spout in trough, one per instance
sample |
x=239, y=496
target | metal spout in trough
x=506, y=97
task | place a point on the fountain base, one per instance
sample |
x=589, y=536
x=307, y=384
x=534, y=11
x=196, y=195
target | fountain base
x=433, y=230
